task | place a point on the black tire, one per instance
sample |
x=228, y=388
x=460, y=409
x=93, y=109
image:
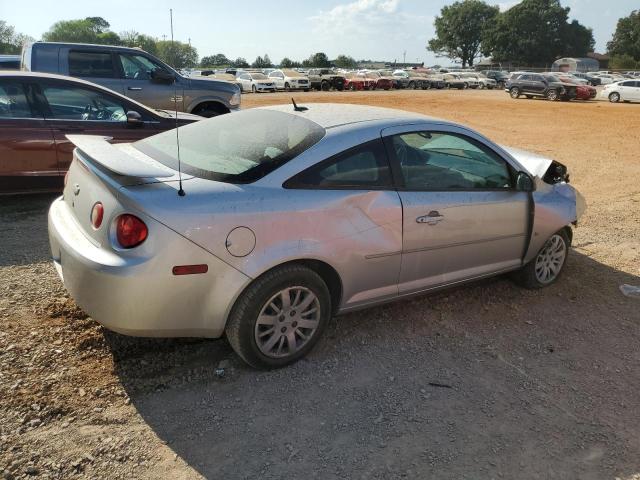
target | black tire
x=253, y=89
x=465, y=86
x=411, y=86
x=529, y=96
x=287, y=87
x=306, y=89
x=553, y=95
x=325, y=87
x=240, y=329
x=614, y=97
x=526, y=276
x=514, y=92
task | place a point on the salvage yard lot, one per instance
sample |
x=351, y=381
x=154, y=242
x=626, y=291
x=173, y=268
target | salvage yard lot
x=484, y=381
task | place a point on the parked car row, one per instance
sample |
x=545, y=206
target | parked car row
x=325, y=79
x=564, y=86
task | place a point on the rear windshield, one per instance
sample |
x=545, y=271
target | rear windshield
x=237, y=147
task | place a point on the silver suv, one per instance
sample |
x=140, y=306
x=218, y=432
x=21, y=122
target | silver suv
x=134, y=73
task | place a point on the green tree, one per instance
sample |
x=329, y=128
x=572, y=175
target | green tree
x=262, y=62
x=240, y=62
x=88, y=30
x=536, y=32
x=624, y=62
x=134, y=39
x=344, y=61
x=214, y=60
x=177, y=54
x=626, y=38
x=319, y=60
x=460, y=29
x=10, y=41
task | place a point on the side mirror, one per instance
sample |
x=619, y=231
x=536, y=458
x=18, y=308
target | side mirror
x=524, y=182
x=162, y=76
x=134, y=119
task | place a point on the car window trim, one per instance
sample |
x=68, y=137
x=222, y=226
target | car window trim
x=398, y=177
x=291, y=184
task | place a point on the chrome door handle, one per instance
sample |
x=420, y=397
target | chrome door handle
x=432, y=218
x=134, y=88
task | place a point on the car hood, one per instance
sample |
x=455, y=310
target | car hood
x=213, y=84
x=534, y=164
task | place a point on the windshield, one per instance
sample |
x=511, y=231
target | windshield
x=258, y=76
x=238, y=147
x=552, y=78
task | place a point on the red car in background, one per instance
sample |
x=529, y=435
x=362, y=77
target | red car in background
x=354, y=81
x=38, y=110
x=385, y=83
x=583, y=92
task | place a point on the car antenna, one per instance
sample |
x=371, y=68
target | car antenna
x=181, y=192
x=297, y=108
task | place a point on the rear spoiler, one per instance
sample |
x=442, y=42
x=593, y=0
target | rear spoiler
x=99, y=150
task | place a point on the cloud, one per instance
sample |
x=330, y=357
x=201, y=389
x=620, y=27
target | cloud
x=362, y=23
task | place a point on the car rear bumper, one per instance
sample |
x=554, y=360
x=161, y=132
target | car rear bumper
x=141, y=296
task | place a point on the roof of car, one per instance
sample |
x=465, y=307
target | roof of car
x=329, y=115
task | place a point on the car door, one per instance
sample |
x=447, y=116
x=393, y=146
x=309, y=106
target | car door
x=28, y=159
x=150, y=83
x=353, y=192
x=635, y=91
x=97, y=66
x=462, y=217
x=74, y=108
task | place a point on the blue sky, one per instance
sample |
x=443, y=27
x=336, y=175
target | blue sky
x=376, y=29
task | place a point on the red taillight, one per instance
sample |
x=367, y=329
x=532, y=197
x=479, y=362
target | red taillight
x=97, y=214
x=130, y=231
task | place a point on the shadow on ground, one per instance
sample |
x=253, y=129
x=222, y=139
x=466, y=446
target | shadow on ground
x=24, y=221
x=484, y=381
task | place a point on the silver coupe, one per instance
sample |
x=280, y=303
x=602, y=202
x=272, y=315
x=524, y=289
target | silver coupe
x=284, y=216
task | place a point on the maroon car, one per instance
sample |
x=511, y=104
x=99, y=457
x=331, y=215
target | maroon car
x=37, y=110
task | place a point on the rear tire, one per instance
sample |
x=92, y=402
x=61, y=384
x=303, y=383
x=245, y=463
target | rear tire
x=279, y=338
x=287, y=87
x=553, y=95
x=548, y=264
x=253, y=89
x=614, y=97
x=529, y=97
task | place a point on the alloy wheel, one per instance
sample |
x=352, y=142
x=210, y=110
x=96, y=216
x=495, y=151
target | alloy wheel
x=614, y=97
x=287, y=321
x=550, y=260
x=514, y=92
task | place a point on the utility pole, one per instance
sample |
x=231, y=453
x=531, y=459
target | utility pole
x=164, y=37
x=404, y=58
x=189, y=41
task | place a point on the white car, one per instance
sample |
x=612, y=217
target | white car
x=470, y=79
x=626, y=91
x=255, y=82
x=287, y=80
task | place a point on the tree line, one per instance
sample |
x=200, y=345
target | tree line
x=531, y=33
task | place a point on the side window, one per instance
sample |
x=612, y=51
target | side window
x=13, y=101
x=138, y=67
x=91, y=64
x=447, y=161
x=71, y=102
x=361, y=167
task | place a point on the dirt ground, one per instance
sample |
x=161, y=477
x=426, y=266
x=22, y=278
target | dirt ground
x=484, y=381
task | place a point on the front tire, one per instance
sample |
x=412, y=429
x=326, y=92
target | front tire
x=553, y=95
x=253, y=89
x=514, y=92
x=614, y=97
x=548, y=264
x=280, y=317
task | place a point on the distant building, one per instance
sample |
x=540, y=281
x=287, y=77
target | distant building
x=603, y=60
x=569, y=64
x=376, y=65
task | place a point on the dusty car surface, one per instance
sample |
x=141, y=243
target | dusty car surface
x=289, y=216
